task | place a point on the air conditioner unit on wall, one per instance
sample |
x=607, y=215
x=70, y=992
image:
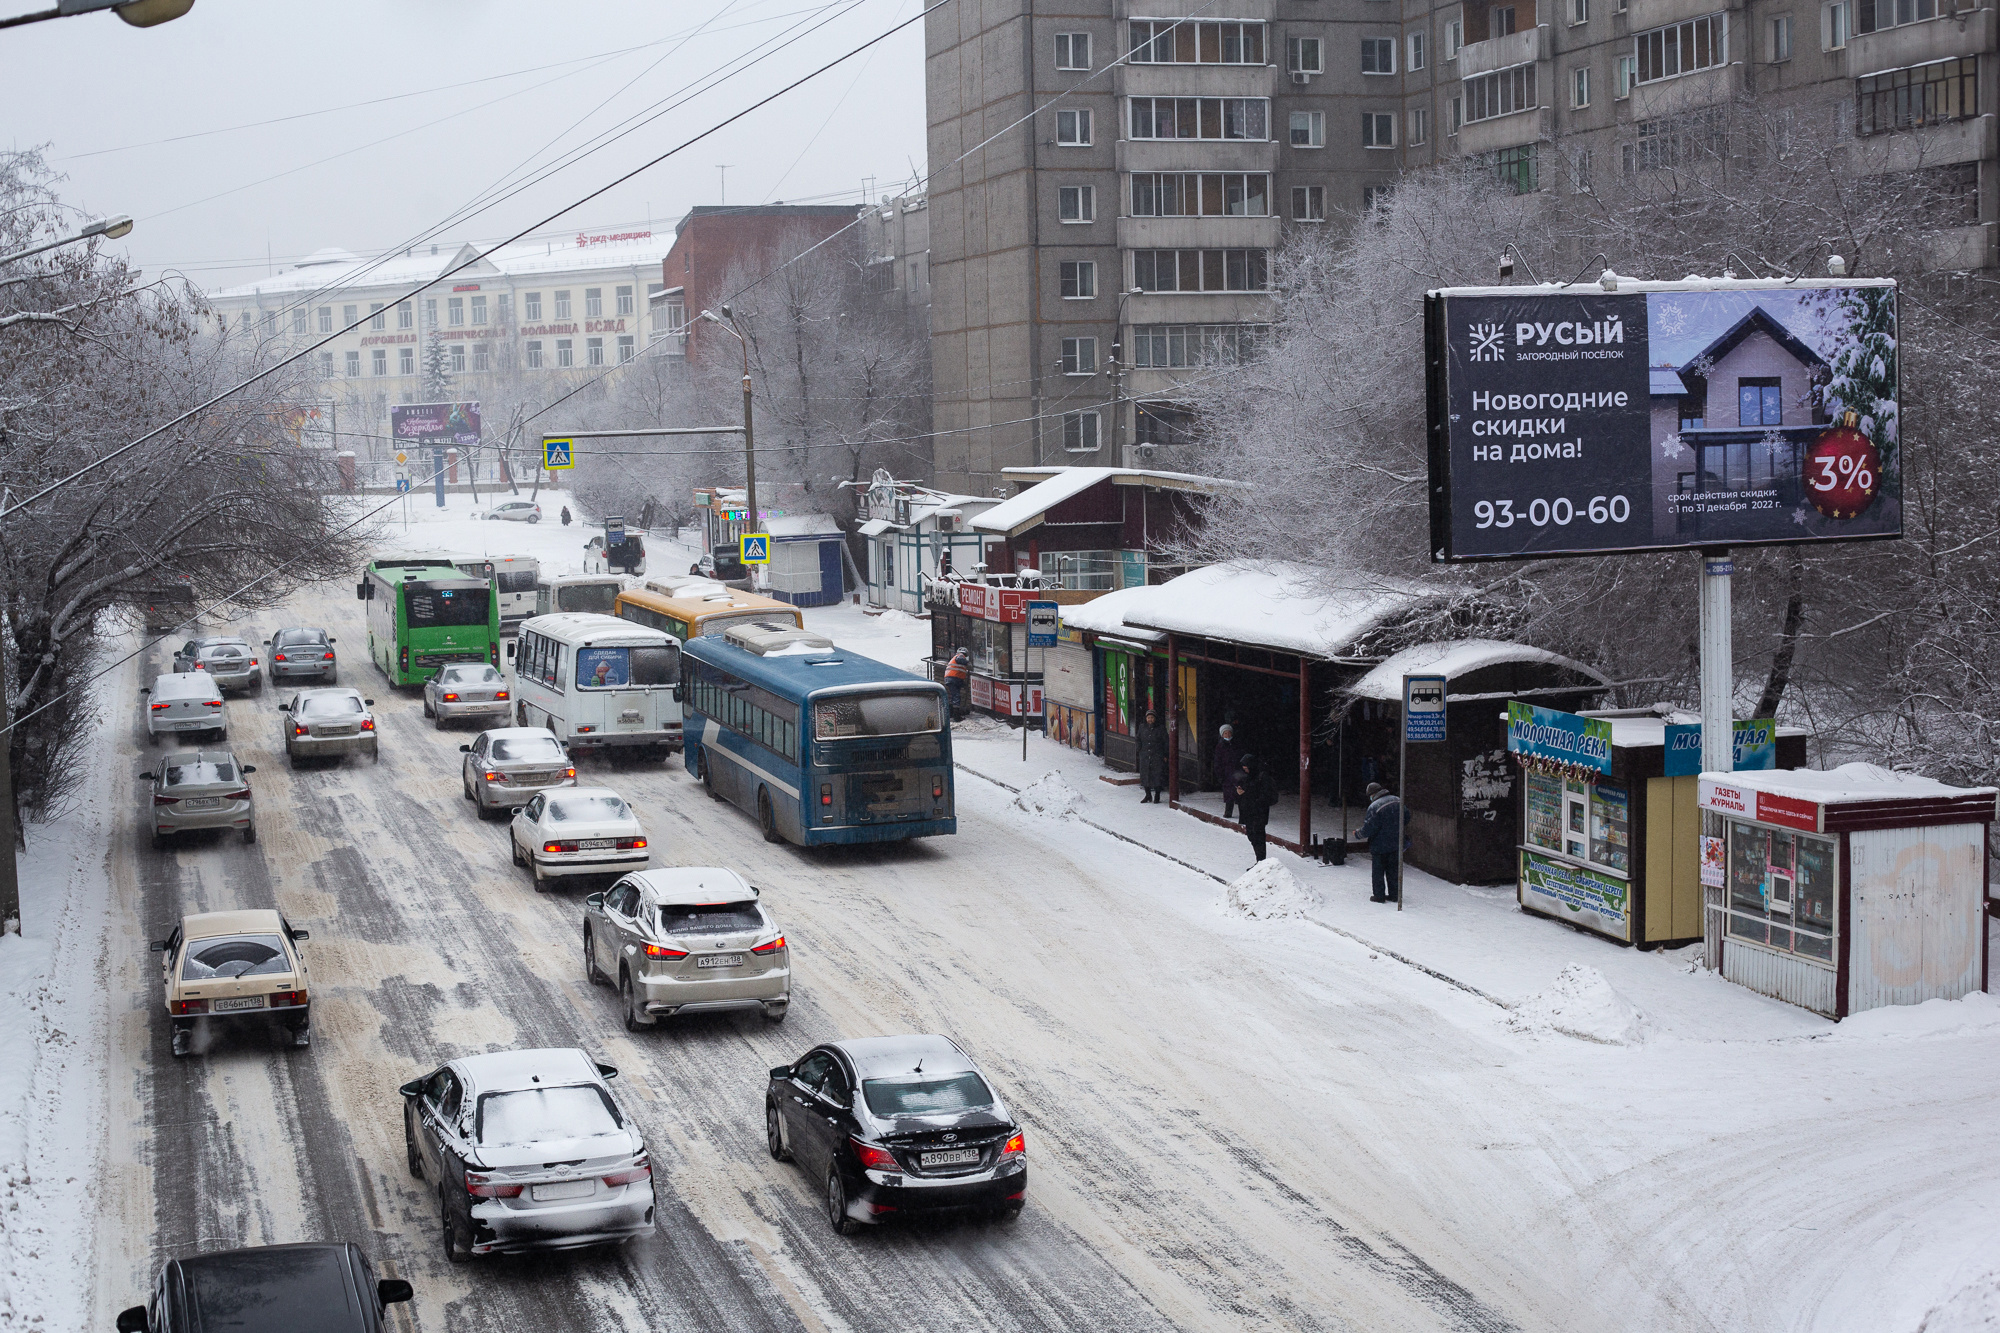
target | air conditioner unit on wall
x=1301, y=77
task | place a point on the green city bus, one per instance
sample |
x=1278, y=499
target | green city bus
x=425, y=616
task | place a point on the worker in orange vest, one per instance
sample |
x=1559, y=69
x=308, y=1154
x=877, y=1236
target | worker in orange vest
x=956, y=673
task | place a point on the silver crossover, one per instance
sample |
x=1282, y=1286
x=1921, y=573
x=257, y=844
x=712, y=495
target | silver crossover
x=527, y=1150
x=467, y=690
x=685, y=940
x=197, y=789
x=332, y=721
x=230, y=660
x=506, y=766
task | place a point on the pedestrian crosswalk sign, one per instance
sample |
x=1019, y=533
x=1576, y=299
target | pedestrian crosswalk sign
x=755, y=548
x=558, y=453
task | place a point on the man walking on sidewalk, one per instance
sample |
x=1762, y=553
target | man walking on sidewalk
x=1256, y=799
x=1382, y=830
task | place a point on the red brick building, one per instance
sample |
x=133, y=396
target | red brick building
x=712, y=240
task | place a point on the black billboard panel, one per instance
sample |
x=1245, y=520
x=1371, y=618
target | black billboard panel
x=1576, y=421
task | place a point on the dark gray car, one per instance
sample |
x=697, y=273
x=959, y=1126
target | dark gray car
x=230, y=660
x=302, y=653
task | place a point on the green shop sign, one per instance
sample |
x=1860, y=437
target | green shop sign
x=1586, y=897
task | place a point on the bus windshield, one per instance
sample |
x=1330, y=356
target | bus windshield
x=593, y=597
x=428, y=607
x=899, y=714
x=602, y=668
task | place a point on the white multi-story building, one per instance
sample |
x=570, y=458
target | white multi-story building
x=535, y=315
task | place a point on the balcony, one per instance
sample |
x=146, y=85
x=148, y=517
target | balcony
x=1970, y=140
x=1516, y=48
x=1233, y=233
x=1509, y=131
x=1197, y=80
x=1966, y=34
x=1197, y=154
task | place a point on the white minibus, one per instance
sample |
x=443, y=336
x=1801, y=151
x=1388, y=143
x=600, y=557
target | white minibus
x=599, y=682
x=597, y=593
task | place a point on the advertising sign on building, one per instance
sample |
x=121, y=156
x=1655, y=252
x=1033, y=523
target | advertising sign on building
x=1754, y=745
x=1763, y=806
x=1659, y=416
x=1588, y=898
x=983, y=602
x=434, y=424
x=1534, y=732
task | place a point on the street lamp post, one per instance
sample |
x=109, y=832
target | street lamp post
x=112, y=227
x=749, y=442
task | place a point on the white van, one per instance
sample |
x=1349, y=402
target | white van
x=593, y=593
x=599, y=682
x=186, y=701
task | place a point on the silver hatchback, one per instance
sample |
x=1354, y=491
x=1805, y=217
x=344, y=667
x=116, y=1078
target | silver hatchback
x=504, y=768
x=467, y=690
x=230, y=660
x=200, y=789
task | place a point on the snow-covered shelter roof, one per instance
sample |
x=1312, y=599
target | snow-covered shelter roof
x=1106, y=614
x=802, y=525
x=1053, y=485
x=1850, y=783
x=1271, y=604
x=1457, y=658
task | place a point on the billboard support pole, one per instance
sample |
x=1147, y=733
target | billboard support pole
x=1718, y=680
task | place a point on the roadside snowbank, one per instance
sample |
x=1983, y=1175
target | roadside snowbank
x=1976, y=1013
x=1581, y=1004
x=1049, y=796
x=1268, y=892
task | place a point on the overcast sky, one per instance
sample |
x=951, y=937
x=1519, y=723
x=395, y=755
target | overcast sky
x=366, y=123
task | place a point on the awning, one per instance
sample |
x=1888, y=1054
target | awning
x=875, y=527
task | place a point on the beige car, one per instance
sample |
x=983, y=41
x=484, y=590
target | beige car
x=232, y=968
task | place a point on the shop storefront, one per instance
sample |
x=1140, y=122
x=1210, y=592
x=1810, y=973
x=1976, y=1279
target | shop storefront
x=1070, y=698
x=990, y=622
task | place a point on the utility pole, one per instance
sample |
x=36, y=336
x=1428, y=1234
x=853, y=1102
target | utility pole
x=749, y=442
x=1718, y=741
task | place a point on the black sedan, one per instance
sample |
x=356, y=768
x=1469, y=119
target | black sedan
x=893, y=1125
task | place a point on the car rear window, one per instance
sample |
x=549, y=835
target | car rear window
x=526, y=748
x=235, y=956
x=587, y=809
x=926, y=1096
x=326, y=705
x=271, y=1288
x=709, y=918
x=470, y=675
x=536, y=1114
x=198, y=773
x=287, y=637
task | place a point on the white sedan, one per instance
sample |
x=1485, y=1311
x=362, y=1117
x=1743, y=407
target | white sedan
x=578, y=831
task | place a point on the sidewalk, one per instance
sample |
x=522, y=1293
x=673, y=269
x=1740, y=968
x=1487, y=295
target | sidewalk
x=1476, y=939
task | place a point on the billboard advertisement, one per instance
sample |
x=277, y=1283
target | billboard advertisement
x=1661, y=416
x=434, y=425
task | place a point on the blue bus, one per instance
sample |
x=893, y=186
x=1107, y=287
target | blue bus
x=821, y=744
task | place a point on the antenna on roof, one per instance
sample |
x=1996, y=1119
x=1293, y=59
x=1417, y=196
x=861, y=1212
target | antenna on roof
x=919, y=1069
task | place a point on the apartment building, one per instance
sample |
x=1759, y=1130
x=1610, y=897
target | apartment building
x=718, y=244
x=895, y=249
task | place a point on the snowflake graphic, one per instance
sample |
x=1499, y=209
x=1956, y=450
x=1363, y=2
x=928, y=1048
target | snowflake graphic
x=1486, y=342
x=1671, y=447
x=1801, y=515
x=1672, y=318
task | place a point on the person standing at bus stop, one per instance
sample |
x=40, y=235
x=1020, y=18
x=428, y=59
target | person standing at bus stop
x=956, y=673
x=1255, y=799
x=1382, y=830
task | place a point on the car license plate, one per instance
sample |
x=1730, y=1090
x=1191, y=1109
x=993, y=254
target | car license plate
x=950, y=1157
x=241, y=1002
x=596, y=844
x=200, y=802
x=719, y=960
x=564, y=1189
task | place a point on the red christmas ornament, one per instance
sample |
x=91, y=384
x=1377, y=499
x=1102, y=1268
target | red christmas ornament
x=1843, y=470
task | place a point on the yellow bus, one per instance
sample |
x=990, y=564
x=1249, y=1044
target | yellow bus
x=702, y=610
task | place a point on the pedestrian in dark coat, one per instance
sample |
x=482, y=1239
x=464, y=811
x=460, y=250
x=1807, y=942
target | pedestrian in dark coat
x=1152, y=738
x=1228, y=764
x=1382, y=830
x=565, y=516
x=1256, y=799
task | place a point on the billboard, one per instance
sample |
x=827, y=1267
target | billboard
x=434, y=425
x=1661, y=416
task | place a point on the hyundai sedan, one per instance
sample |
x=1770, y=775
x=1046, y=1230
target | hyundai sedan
x=230, y=660
x=302, y=653
x=583, y=831
x=891, y=1125
x=691, y=939
x=528, y=1150
x=200, y=789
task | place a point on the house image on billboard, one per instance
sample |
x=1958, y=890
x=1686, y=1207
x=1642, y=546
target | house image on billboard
x=1730, y=427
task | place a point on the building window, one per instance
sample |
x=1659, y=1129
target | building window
x=1579, y=11
x=1501, y=93
x=915, y=280
x=326, y=319
x=1186, y=42
x=1580, y=171
x=298, y=319
x=1781, y=39
x=534, y=355
x=624, y=295
x=1308, y=203
x=326, y=365
x=1454, y=38
x=627, y=348
x=1628, y=72
x=1302, y=55
x=1200, y=270
x=1500, y=21
x=1186, y=346
x=1457, y=113
x=354, y=365
x=531, y=305
x=1075, y=203
x=1378, y=129
x=1875, y=15
x=1081, y=571
x=1579, y=87
x=406, y=360
x=482, y=356
x=457, y=360
x=1682, y=48
x=1072, y=50
x=430, y=312
x=1378, y=55
x=376, y=319
x=1079, y=356
x=1929, y=94
x=1375, y=197
x=455, y=311
x=1760, y=402
x=565, y=353
x=1834, y=25
x=1420, y=126
x=379, y=361
x=1588, y=822
x=1079, y=279
x=1073, y=128
x=350, y=313
x=1308, y=129
x=1200, y=117
x=1516, y=168
x=1783, y=890
x=1164, y=424
x=593, y=351
x=562, y=305
x=479, y=311
x=406, y=318
x=1189, y=194
x=1080, y=432
x=593, y=302
x=1415, y=45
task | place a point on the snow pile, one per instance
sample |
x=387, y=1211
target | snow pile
x=891, y=617
x=1581, y=1004
x=1268, y=892
x=1975, y=1013
x=1975, y=1309
x=1049, y=796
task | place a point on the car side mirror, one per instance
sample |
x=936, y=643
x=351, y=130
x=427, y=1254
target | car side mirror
x=301, y=934
x=393, y=1291
x=677, y=694
x=361, y=592
x=145, y=689
x=332, y=640
x=607, y=1071
x=594, y=900
x=369, y=702
x=413, y=1088
x=133, y=1320
x=782, y=1071
x=267, y=643
x=510, y=652
x=284, y=708
x=465, y=749
x=155, y=777
x=249, y=768
x=159, y=946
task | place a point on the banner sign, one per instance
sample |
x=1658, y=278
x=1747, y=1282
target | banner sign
x=434, y=423
x=984, y=602
x=1578, y=895
x=1661, y=416
x=1423, y=708
x=1763, y=806
x=1544, y=733
x=1754, y=745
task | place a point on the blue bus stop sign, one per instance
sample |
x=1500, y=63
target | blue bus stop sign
x=1423, y=708
x=1044, y=622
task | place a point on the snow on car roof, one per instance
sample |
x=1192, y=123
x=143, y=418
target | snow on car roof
x=247, y=921
x=185, y=684
x=1275, y=604
x=886, y=1057
x=1456, y=658
x=552, y=1066
x=681, y=885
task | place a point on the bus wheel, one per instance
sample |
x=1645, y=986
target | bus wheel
x=706, y=774
x=768, y=817
x=520, y=714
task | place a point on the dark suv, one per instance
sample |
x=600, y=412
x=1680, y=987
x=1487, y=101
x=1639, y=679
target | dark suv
x=327, y=1287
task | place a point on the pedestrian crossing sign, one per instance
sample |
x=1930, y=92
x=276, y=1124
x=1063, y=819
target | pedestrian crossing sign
x=755, y=548
x=558, y=453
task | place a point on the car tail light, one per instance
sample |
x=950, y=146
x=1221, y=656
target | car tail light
x=585, y=730
x=253, y=661
x=558, y=846
x=201, y=666
x=243, y=795
x=158, y=707
x=641, y=1169
x=494, y=775
x=301, y=729
x=190, y=1006
x=406, y=659
x=631, y=844
x=327, y=658
x=770, y=946
x=569, y=772
x=826, y=793
x=873, y=1158
x=211, y=703
x=165, y=800
x=1016, y=1146
x=368, y=724
x=288, y=999
x=279, y=657
x=937, y=789
x=664, y=951
x=480, y=1186
x=493, y=654
x=451, y=698
x=500, y=694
